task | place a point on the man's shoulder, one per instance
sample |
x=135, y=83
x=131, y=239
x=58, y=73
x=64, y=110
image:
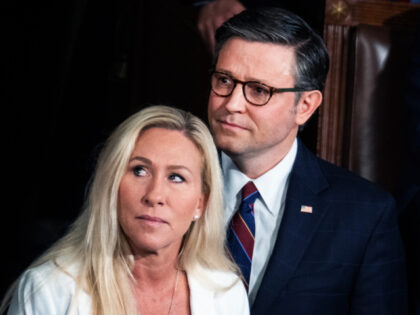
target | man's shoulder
x=344, y=184
x=349, y=185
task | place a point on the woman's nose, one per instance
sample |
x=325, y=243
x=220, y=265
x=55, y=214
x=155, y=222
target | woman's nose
x=154, y=194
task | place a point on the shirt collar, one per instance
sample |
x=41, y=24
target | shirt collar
x=235, y=180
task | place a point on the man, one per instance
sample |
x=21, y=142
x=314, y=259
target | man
x=326, y=241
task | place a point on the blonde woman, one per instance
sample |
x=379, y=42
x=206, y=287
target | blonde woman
x=150, y=239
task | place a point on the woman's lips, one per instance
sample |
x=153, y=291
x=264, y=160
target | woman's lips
x=151, y=220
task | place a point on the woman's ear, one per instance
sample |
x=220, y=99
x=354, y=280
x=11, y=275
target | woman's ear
x=201, y=205
x=308, y=103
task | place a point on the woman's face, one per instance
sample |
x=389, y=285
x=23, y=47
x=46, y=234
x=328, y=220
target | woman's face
x=161, y=191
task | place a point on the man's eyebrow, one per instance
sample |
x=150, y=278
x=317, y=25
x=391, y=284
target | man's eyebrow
x=227, y=72
x=250, y=79
x=223, y=71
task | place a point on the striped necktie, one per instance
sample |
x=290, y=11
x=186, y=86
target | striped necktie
x=242, y=231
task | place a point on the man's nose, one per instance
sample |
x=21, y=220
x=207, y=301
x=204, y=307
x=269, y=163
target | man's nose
x=236, y=102
x=155, y=192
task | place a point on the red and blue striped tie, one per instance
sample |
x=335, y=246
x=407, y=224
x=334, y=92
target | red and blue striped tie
x=242, y=231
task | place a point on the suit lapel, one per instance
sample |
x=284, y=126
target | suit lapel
x=297, y=228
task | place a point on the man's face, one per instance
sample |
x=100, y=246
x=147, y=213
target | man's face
x=246, y=131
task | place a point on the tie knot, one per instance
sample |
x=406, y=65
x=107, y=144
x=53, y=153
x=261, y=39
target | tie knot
x=248, y=190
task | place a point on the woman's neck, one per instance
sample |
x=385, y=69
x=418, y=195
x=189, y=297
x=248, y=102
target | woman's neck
x=160, y=288
x=153, y=271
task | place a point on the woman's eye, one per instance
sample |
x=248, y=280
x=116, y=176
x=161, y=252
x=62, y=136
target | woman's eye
x=176, y=178
x=139, y=171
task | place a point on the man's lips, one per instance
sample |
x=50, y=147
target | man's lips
x=151, y=219
x=229, y=124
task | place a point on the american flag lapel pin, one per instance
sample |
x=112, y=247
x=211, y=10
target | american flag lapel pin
x=306, y=209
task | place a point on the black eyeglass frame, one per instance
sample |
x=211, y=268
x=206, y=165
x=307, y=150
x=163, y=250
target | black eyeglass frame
x=244, y=83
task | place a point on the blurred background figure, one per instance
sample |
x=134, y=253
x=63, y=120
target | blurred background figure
x=213, y=13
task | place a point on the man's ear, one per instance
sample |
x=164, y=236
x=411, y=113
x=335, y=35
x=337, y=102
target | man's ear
x=308, y=103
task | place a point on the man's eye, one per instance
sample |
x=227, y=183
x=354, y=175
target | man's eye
x=259, y=90
x=224, y=80
x=139, y=170
x=176, y=178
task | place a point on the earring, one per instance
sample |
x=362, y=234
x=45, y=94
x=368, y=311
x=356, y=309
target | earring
x=195, y=218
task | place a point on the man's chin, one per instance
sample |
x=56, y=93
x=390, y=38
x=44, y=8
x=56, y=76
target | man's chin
x=231, y=148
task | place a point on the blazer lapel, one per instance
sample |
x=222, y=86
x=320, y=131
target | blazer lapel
x=201, y=298
x=297, y=228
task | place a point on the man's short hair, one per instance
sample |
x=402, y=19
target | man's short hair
x=279, y=26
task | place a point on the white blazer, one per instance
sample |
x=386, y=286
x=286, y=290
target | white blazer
x=48, y=290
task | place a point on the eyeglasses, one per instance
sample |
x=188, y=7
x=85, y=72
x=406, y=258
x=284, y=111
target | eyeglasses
x=256, y=93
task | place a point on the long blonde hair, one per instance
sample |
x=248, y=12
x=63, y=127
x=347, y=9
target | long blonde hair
x=96, y=243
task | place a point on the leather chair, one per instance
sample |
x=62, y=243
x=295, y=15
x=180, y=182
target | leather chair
x=360, y=124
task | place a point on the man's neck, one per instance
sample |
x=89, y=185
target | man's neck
x=256, y=165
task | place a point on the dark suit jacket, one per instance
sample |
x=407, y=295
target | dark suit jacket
x=345, y=257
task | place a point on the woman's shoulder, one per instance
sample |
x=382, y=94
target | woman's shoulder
x=44, y=288
x=50, y=274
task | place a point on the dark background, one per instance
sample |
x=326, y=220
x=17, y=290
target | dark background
x=65, y=88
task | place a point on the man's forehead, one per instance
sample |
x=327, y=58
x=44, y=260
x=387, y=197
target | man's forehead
x=238, y=41
x=256, y=60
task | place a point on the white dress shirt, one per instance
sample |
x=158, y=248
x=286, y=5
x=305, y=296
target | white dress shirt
x=268, y=209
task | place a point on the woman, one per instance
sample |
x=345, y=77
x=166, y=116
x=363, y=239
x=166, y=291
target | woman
x=150, y=239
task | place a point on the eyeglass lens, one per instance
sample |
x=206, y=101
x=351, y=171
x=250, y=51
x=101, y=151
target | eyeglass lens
x=255, y=93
